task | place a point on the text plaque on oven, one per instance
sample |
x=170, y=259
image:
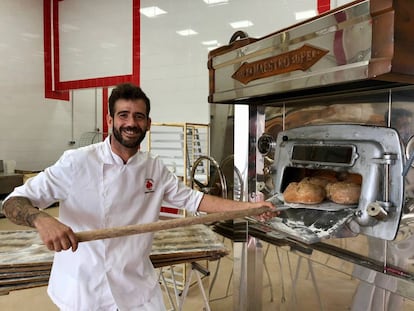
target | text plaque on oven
x=299, y=59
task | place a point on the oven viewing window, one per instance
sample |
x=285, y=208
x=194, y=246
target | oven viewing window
x=323, y=154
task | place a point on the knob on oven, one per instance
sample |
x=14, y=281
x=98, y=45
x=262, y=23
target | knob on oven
x=265, y=144
x=376, y=210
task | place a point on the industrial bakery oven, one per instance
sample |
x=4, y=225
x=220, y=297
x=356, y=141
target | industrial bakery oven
x=330, y=97
x=347, y=179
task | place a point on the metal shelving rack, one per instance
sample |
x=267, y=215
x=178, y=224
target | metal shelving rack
x=178, y=145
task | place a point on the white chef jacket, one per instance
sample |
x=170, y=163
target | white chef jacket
x=97, y=190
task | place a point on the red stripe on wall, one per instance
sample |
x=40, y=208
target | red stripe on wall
x=48, y=54
x=55, y=36
x=110, y=80
x=52, y=73
x=323, y=6
x=136, y=42
x=94, y=82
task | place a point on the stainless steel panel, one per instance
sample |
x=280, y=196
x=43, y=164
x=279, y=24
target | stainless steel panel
x=355, y=30
x=362, y=45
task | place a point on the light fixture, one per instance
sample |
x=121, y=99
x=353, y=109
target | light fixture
x=241, y=24
x=210, y=42
x=152, y=11
x=304, y=15
x=187, y=32
x=216, y=1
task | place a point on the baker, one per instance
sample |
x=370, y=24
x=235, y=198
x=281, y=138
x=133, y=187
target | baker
x=108, y=184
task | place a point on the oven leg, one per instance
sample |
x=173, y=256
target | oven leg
x=248, y=275
x=239, y=274
x=254, y=273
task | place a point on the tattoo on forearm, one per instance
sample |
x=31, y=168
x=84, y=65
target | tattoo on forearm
x=21, y=211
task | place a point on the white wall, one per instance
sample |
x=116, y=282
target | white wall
x=337, y=3
x=174, y=69
x=34, y=131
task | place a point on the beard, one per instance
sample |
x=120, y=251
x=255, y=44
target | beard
x=129, y=143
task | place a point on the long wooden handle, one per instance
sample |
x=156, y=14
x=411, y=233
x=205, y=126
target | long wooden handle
x=166, y=224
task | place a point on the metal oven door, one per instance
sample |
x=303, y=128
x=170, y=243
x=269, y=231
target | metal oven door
x=372, y=152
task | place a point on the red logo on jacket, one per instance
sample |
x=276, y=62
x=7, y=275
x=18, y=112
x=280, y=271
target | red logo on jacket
x=149, y=185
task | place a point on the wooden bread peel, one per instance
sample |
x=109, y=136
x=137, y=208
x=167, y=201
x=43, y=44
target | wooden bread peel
x=100, y=234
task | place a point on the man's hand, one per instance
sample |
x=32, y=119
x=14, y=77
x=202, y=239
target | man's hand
x=267, y=215
x=55, y=235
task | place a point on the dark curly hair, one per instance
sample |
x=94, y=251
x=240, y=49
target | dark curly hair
x=127, y=91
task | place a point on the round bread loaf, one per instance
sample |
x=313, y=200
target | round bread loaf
x=353, y=178
x=343, y=192
x=304, y=192
x=325, y=174
x=316, y=180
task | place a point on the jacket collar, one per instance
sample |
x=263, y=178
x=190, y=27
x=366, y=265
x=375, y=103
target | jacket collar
x=110, y=157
